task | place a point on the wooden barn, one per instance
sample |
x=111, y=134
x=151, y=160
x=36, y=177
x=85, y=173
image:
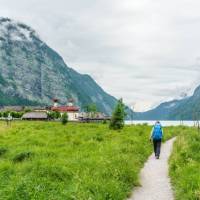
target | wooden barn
x=35, y=116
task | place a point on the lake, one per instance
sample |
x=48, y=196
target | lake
x=164, y=123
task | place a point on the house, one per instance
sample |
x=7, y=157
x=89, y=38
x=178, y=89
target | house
x=71, y=110
x=35, y=116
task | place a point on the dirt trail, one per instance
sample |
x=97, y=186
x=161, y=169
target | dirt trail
x=155, y=183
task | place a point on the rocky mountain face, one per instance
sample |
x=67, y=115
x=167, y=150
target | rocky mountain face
x=31, y=73
x=187, y=108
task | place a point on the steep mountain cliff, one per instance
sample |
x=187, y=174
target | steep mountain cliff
x=33, y=73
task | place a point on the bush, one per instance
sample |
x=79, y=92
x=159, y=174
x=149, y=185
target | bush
x=54, y=115
x=22, y=156
x=5, y=114
x=64, y=119
x=26, y=110
x=104, y=121
x=16, y=114
x=57, y=115
x=3, y=151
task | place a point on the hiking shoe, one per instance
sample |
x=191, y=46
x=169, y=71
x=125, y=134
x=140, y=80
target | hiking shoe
x=157, y=157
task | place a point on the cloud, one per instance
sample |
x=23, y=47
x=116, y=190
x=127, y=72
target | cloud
x=145, y=51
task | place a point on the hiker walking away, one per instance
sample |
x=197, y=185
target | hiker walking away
x=156, y=136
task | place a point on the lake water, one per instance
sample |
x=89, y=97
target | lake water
x=164, y=123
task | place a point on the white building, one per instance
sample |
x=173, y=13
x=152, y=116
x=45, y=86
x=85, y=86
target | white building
x=71, y=110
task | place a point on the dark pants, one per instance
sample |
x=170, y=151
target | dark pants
x=157, y=145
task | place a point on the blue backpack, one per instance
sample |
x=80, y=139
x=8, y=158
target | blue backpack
x=157, y=132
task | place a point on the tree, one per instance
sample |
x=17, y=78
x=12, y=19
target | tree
x=57, y=115
x=64, y=118
x=91, y=109
x=26, y=110
x=5, y=114
x=54, y=115
x=117, y=119
x=16, y=114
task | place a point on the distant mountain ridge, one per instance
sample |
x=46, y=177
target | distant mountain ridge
x=32, y=73
x=187, y=108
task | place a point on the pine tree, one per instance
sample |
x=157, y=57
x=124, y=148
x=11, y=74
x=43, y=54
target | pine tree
x=117, y=120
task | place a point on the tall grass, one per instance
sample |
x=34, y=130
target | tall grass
x=185, y=165
x=80, y=161
x=46, y=160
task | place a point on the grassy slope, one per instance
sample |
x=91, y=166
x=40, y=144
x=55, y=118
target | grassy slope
x=44, y=160
x=185, y=165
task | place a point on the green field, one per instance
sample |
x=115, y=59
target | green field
x=46, y=160
x=185, y=165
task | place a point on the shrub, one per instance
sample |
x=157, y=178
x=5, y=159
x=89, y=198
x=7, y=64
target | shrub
x=5, y=114
x=104, y=121
x=3, y=151
x=53, y=115
x=26, y=110
x=22, y=156
x=64, y=118
x=57, y=115
x=16, y=114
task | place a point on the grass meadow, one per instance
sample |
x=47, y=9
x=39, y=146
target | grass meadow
x=46, y=160
x=185, y=165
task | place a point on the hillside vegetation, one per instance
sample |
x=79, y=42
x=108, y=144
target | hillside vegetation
x=185, y=165
x=46, y=160
x=183, y=109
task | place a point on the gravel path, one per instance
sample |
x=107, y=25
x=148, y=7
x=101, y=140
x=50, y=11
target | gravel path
x=155, y=183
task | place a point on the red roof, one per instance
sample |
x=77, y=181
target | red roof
x=65, y=109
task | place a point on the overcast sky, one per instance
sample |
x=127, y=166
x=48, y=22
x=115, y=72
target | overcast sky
x=146, y=51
